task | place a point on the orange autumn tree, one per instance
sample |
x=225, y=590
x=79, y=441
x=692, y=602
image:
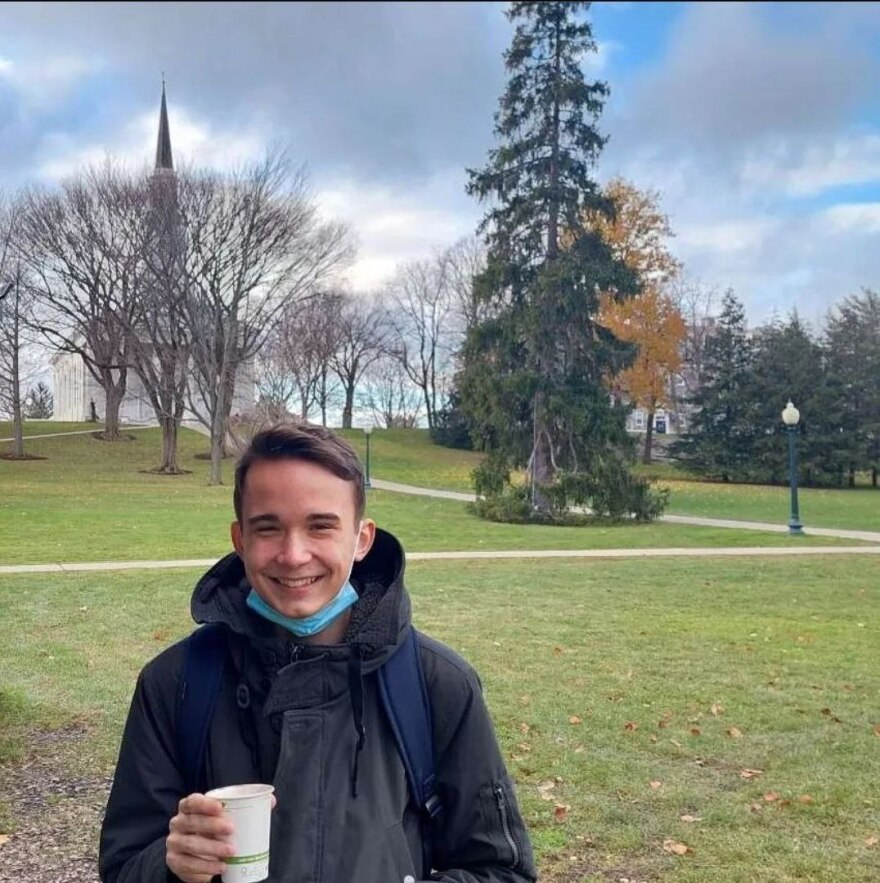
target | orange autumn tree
x=638, y=234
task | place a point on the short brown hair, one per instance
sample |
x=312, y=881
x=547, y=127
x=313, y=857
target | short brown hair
x=302, y=441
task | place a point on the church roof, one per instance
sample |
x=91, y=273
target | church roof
x=164, y=159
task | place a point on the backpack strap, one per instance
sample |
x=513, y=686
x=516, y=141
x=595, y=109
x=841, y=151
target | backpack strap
x=199, y=689
x=406, y=703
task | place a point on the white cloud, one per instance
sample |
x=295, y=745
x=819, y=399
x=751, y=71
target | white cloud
x=853, y=218
x=844, y=160
x=191, y=140
x=725, y=236
x=398, y=224
x=6, y=65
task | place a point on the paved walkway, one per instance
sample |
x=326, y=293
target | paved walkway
x=714, y=552
x=123, y=427
x=863, y=535
x=743, y=551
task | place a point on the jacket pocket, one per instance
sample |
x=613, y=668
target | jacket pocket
x=504, y=823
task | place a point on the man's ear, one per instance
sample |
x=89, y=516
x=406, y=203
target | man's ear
x=235, y=533
x=366, y=536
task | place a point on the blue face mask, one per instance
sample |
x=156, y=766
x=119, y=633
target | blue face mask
x=309, y=625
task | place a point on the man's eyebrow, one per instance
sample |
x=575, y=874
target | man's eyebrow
x=323, y=516
x=266, y=516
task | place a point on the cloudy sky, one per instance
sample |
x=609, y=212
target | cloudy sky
x=759, y=123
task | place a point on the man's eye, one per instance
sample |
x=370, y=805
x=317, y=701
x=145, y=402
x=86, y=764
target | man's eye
x=320, y=526
x=266, y=530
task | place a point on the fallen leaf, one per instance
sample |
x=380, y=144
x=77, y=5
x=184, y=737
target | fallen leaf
x=159, y=635
x=524, y=727
x=653, y=738
x=755, y=807
x=676, y=848
x=4, y=838
x=750, y=774
x=872, y=841
x=877, y=729
x=783, y=803
x=691, y=819
x=655, y=784
x=806, y=799
x=632, y=726
x=696, y=731
x=578, y=749
x=524, y=746
x=734, y=733
x=525, y=700
x=574, y=720
x=825, y=711
x=545, y=788
x=663, y=722
x=557, y=651
x=717, y=709
x=560, y=812
x=770, y=796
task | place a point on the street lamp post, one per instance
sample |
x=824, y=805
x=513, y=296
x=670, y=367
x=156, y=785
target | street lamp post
x=367, y=431
x=790, y=417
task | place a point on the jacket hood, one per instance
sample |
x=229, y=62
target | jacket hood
x=379, y=618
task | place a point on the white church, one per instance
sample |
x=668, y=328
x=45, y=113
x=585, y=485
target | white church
x=79, y=397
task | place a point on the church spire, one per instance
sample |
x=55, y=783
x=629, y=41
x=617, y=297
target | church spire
x=164, y=161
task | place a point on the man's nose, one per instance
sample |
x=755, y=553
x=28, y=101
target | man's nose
x=294, y=550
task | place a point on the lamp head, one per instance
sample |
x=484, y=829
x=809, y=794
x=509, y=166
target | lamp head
x=791, y=415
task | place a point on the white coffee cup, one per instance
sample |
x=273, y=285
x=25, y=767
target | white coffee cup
x=250, y=809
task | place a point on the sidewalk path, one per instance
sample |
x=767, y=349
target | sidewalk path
x=713, y=552
x=864, y=535
x=123, y=427
x=743, y=551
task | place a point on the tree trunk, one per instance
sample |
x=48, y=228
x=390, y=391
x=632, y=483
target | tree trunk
x=348, y=408
x=113, y=395
x=649, y=438
x=851, y=478
x=217, y=433
x=542, y=462
x=874, y=476
x=170, y=427
x=17, y=432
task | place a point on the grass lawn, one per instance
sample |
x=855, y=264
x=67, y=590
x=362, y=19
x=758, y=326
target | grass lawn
x=89, y=502
x=40, y=427
x=853, y=509
x=626, y=695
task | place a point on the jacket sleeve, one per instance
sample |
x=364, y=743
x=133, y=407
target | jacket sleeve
x=147, y=787
x=481, y=837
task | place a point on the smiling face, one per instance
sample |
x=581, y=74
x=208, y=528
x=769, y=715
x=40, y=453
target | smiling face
x=298, y=534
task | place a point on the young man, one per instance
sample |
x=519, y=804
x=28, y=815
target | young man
x=312, y=604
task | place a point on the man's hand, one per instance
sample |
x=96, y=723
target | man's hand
x=199, y=839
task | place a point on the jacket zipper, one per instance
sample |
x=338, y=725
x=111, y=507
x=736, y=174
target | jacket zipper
x=295, y=652
x=505, y=824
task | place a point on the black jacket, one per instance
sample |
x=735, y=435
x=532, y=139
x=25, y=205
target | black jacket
x=286, y=715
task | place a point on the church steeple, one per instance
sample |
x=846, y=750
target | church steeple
x=164, y=160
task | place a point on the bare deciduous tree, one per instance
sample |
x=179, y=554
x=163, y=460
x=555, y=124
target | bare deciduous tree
x=74, y=243
x=298, y=356
x=462, y=262
x=390, y=395
x=255, y=245
x=420, y=308
x=363, y=332
x=16, y=308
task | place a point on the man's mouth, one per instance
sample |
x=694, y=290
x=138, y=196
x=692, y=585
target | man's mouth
x=299, y=583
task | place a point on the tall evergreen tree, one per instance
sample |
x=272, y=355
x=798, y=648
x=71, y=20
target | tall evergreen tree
x=719, y=443
x=852, y=340
x=789, y=364
x=532, y=370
